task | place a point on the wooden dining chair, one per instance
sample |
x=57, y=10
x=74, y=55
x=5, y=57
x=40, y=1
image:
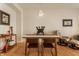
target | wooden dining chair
x=32, y=43
x=48, y=43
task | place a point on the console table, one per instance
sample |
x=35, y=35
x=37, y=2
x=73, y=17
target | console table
x=40, y=41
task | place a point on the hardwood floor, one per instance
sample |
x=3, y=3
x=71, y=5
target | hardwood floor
x=18, y=50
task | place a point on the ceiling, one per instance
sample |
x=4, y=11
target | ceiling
x=48, y=5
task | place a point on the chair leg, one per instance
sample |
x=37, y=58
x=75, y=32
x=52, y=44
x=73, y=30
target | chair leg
x=42, y=52
x=28, y=52
x=38, y=51
x=51, y=52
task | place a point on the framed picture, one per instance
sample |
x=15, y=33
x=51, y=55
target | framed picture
x=4, y=18
x=67, y=22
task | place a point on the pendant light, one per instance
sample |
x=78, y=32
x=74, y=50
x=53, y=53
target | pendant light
x=41, y=13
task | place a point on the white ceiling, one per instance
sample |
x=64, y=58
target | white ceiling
x=48, y=5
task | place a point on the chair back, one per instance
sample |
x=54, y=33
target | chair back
x=32, y=40
x=49, y=40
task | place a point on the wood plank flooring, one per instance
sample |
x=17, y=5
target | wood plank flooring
x=19, y=49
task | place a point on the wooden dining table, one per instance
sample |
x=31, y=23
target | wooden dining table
x=40, y=41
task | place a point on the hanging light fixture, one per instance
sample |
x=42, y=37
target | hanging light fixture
x=41, y=13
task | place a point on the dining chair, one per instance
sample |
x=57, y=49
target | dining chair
x=48, y=43
x=32, y=43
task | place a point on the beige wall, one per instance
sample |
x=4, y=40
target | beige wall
x=52, y=20
x=4, y=28
x=15, y=19
x=18, y=11
x=18, y=25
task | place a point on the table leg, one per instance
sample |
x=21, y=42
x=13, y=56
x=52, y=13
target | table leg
x=26, y=47
x=42, y=52
x=40, y=47
x=56, y=47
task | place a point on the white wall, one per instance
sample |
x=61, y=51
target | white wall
x=7, y=9
x=52, y=20
x=18, y=25
x=18, y=11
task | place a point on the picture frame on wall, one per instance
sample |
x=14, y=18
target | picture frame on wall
x=4, y=18
x=67, y=22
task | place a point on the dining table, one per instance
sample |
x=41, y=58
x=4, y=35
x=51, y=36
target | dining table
x=40, y=41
